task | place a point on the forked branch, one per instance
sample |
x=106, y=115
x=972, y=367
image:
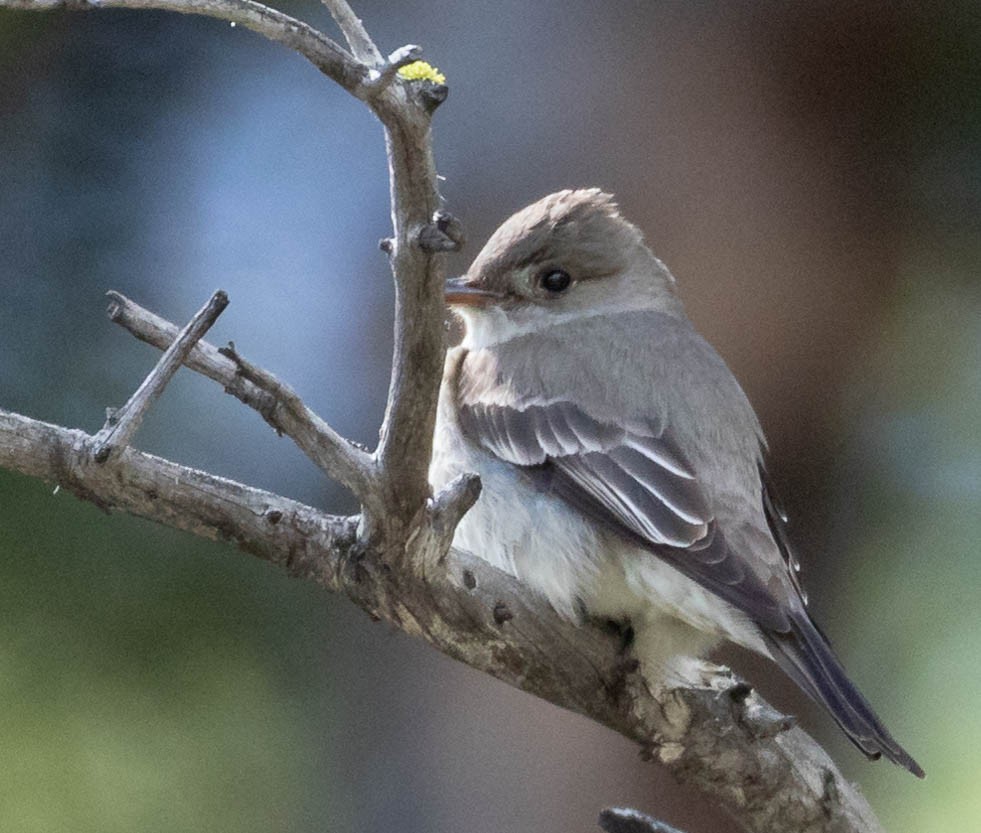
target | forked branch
x=275, y=402
x=124, y=422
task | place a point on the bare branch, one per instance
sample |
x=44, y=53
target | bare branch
x=405, y=109
x=707, y=734
x=274, y=528
x=405, y=446
x=123, y=424
x=358, y=40
x=277, y=403
x=328, y=56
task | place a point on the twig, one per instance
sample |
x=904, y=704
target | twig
x=276, y=403
x=358, y=40
x=329, y=57
x=405, y=438
x=449, y=506
x=124, y=422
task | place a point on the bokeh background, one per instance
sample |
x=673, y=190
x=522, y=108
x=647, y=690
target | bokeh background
x=810, y=172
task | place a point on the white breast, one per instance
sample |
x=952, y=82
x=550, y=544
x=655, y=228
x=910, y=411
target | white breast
x=514, y=525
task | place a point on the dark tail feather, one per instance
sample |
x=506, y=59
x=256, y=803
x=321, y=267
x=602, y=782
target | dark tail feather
x=807, y=658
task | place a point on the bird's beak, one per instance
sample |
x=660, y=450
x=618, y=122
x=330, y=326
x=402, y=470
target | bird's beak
x=458, y=292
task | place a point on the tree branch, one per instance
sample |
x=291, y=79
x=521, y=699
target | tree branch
x=396, y=504
x=123, y=424
x=358, y=40
x=276, y=403
x=178, y=496
x=716, y=734
x=406, y=437
x=328, y=56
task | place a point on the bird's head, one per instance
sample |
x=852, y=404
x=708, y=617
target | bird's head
x=569, y=255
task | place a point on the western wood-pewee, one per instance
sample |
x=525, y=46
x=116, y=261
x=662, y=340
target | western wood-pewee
x=622, y=464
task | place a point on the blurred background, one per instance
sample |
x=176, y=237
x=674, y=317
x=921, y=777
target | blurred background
x=810, y=172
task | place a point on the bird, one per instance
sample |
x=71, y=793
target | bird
x=623, y=467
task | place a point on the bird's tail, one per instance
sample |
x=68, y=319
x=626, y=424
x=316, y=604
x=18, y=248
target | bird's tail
x=807, y=657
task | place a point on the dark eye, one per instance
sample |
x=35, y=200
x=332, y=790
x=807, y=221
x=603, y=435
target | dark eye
x=555, y=281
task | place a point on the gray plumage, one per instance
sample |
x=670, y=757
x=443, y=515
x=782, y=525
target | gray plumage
x=622, y=463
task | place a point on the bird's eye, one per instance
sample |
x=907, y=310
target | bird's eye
x=555, y=281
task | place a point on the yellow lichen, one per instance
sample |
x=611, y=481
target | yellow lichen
x=421, y=71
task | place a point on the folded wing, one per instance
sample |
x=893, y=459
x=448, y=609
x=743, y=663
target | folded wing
x=634, y=479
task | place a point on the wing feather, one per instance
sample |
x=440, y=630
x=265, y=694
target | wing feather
x=640, y=479
x=631, y=478
x=682, y=495
x=662, y=451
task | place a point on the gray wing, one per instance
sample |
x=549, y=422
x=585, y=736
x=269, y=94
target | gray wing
x=633, y=479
